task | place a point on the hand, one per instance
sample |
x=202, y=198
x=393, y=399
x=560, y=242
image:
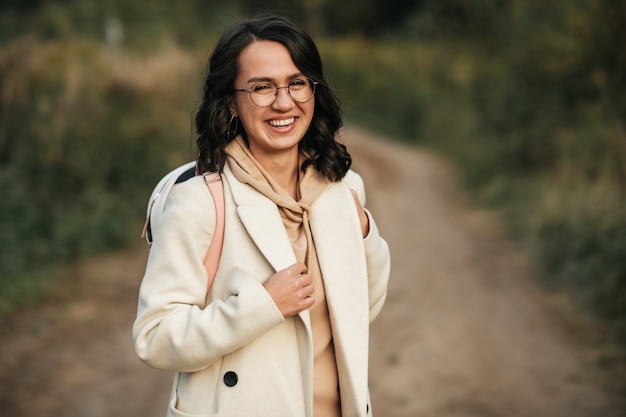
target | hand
x=291, y=289
x=365, y=222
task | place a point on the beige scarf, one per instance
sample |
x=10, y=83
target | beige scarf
x=295, y=215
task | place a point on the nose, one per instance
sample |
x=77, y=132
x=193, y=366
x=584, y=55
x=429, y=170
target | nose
x=283, y=100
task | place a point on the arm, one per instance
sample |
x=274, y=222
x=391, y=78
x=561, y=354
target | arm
x=173, y=329
x=376, y=249
x=378, y=267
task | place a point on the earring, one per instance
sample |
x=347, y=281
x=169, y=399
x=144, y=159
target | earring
x=232, y=130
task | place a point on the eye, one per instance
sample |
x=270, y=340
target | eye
x=262, y=88
x=298, y=83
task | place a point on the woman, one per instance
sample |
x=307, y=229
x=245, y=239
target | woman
x=283, y=330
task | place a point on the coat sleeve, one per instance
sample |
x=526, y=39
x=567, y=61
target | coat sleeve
x=377, y=254
x=174, y=330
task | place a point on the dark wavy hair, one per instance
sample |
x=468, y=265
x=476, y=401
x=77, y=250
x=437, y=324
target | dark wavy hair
x=319, y=145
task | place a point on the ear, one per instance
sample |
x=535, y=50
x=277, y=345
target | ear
x=232, y=107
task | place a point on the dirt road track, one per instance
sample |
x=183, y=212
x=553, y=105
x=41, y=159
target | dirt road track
x=464, y=333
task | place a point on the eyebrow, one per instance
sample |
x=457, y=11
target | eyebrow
x=259, y=79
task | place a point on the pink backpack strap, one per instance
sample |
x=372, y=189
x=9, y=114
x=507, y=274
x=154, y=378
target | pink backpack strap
x=212, y=258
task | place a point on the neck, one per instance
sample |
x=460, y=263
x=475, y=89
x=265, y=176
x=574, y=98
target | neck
x=285, y=171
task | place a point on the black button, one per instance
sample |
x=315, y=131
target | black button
x=367, y=409
x=230, y=379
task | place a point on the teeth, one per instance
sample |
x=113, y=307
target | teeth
x=282, y=123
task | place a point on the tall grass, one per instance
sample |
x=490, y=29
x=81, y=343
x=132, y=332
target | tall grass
x=84, y=133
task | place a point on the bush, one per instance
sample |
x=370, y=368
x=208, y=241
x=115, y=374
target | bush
x=84, y=136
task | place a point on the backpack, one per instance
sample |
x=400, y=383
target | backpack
x=156, y=205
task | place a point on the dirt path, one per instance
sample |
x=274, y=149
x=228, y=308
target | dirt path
x=464, y=331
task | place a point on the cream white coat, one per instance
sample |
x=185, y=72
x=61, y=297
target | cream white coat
x=238, y=328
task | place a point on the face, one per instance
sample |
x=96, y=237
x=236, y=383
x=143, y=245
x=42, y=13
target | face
x=278, y=128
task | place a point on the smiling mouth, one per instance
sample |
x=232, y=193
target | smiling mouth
x=282, y=123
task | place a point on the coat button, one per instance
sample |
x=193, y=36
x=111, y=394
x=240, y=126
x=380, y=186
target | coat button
x=230, y=379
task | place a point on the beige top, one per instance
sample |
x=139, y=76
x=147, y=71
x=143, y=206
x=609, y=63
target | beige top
x=325, y=384
x=295, y=215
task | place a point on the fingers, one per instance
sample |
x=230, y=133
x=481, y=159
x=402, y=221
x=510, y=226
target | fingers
x=291, y=289
x=295, y=269
x=307, y=290
x=303, y=293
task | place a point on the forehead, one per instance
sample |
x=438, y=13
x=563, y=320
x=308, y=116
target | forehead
x=266, y=59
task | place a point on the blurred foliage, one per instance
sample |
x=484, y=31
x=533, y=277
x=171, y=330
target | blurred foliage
x=83, y=131
x=529, y=98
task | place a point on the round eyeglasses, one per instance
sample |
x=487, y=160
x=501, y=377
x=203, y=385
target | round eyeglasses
x=264, y=93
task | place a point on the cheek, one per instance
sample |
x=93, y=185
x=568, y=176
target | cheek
x=246, y=111
x=249, y=117
x=249, y=121
x=310, y=111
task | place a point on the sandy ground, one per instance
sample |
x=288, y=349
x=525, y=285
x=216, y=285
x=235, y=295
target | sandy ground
x=465, y=331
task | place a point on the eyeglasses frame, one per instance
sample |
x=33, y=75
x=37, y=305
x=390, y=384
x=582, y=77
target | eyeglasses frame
x=249, y=91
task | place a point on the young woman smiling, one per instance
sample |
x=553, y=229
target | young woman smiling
x=284, y=328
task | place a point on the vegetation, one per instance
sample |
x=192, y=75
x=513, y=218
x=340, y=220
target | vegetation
x=531, y=106
x=83, y=134
x=529, y=98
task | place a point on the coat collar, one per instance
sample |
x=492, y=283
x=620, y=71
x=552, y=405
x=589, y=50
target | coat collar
x=262, y=222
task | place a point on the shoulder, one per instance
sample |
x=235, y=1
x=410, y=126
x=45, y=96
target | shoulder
x=355, y=182
x=189, y=197
x=193, y=188
x=188, y=208
x=353, y=179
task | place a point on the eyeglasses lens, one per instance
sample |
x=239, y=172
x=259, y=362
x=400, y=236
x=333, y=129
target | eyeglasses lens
x=264, y=94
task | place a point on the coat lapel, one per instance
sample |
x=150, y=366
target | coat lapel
x=339, y=246
x=262, y=222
